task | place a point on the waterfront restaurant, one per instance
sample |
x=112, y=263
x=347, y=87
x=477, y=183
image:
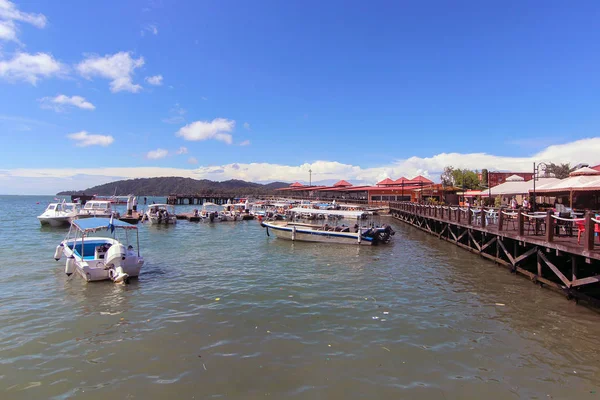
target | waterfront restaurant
x=401, y=189
x=581, y=190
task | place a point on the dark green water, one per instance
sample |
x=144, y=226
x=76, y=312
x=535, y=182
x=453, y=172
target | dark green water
x=420, y=319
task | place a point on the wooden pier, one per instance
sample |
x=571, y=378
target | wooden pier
x=542, y=247
x=199, y=198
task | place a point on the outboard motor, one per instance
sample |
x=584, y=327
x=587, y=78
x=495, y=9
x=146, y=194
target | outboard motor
x=117, y=275
x=115, y=255
x=386, y=233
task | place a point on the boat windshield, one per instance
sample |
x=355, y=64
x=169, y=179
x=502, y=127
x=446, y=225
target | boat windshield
x=93, y=205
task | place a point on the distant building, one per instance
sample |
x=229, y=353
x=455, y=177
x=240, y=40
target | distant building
x=496, y=178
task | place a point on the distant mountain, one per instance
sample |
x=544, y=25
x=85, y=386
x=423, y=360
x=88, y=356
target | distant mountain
x=175, y=185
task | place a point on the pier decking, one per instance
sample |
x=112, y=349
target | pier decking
x=199, y=198
x=542, y=247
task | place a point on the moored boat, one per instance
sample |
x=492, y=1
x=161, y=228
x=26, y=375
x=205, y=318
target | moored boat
x=288, y=229
x=59, y=214
x=297, y=231
x=160, y=214
x=96, y=208
x=95, y=257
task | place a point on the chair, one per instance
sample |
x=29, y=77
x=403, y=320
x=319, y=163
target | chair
x=509, y=219
x=581, y=229
x=491, y=217
x=537, y=225
x=567, y=226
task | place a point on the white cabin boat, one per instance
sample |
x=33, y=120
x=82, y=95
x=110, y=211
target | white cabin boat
x=160, y=214
x=330, y=234
x=297, y=231
x=97, y=257
x=59, y=214
x=210, y=212
x=96, y=208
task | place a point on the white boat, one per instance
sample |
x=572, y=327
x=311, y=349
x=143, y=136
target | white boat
x=95, y=257
x=297, y=231
x=59, y=214
x=210, y=212
x=330, y=234
x=96, y=208
x=160, y=214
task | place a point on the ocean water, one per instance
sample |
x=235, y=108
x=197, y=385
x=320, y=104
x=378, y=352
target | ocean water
x=223, y=311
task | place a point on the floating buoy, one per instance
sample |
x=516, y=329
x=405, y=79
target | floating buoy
x=70, y=265
x=59, y=251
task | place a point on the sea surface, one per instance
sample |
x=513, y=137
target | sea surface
x=223, y=311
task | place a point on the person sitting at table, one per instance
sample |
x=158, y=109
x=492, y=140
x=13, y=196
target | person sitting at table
x=526, y=204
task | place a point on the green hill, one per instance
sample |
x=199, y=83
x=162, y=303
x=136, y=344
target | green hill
x=175, y=185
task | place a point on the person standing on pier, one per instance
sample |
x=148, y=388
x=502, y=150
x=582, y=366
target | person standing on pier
x=513, y=203
x=525, y=204
x=134, y=203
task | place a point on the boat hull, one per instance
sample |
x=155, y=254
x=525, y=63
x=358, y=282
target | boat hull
x=304, y=234
x=54, y=222
x=93, y=268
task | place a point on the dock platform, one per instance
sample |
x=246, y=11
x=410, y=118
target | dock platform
x=134, y=218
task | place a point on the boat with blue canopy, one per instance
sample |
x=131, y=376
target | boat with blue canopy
x=94, y=252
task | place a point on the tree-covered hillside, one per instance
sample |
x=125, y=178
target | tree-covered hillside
x=176, y=185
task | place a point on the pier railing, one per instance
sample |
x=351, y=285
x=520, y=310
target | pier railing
x=541, y=225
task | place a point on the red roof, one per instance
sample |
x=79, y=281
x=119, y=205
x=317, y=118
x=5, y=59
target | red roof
x=342, y=183
x=296, y=184
x=400, y=180
x=386, y=181
x=597, y=167
x=421, y=178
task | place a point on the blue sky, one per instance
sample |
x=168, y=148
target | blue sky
x=266, y=90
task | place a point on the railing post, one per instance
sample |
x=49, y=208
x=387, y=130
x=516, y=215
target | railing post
x=435, y=212
x=483, y=221
x=520, y=225
x=458, y=214
x=500, y=220
x=469, y=215
x=588, y=243
x=441, y=212
x=549, y=227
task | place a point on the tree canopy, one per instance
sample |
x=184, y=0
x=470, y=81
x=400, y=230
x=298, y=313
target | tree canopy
x=560, y=171
x=462, y=178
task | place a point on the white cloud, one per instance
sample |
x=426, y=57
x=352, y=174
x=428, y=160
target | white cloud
x=157, y=154
x=8, y=11
x=246, y=125
x=84, y=139
x=9, y=14
x=155, y=80
x=118, y=68
x=245, y=143
x=177, y=114
x=176, y=119
x=8, y=31
x=62, y=102
x=216, y=129
x=182, y=150
x=152, y=28
x=31, y=67
x=586, y=150
x=192, y=160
